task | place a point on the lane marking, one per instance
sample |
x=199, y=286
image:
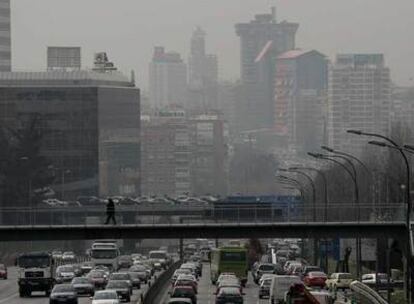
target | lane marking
x=9, y=298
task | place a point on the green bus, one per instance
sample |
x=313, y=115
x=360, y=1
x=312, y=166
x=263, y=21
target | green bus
x=229, y=259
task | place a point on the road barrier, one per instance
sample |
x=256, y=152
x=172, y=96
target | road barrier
x=157, y=287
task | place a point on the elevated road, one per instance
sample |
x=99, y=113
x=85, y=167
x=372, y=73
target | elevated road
x=205, y=229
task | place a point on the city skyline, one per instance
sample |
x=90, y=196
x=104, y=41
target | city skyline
x=129, y=39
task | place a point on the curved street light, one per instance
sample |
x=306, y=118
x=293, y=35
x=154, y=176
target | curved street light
x=309, y=178
x=395, y=146
x=292, y=182
x=311, y=183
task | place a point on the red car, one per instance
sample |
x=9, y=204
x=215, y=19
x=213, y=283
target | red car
x=315, y=278
x=3, y=272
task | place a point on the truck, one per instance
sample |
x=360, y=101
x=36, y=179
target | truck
x=229, y=259
x=36, y=272
x=106, y=253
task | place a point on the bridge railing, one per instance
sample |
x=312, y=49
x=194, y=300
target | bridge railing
x=204, y=214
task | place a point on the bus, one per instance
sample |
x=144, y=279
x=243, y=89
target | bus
x=105, y=253
x=229, y=259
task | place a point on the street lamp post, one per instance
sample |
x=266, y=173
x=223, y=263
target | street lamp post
x=321, y=174
x=64, y=172
x=312, y=185
x=393, y=145
x=29, y=190
x=309, y=178
x=291, y=181
x=349, y=157
x=325, y=188
x=353, y=176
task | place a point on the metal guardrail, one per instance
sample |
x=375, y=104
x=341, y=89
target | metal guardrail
x=153, y=293
x=204, y=214
x=368, y=294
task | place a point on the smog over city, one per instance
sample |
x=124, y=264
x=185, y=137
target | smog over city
x=206, y=151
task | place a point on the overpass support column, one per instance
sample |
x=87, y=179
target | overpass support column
x=315, y=251
x=181, y=243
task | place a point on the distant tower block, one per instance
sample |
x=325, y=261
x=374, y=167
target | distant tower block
x=5, y=36
x=63, y=58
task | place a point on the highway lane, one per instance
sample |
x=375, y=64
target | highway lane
x=9, y=292
x=206, y=291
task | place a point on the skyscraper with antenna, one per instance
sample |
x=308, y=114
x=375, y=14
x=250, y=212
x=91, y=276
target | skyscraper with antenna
x=261, y=41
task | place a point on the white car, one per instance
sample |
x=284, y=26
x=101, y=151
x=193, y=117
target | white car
x=105, y=297
x=68, y=256
x=372, y=278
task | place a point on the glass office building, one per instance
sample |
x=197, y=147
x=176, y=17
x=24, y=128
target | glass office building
x=90, y=124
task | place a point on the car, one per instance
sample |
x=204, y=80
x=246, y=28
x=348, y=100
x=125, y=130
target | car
x=3, y=271
x=121, y=276
x=290, y=264
x=105, y=297
x=68, y=256
x=307, y=269
x=295, y=270
x=103, y=268
x=63, y=293
x=86, y=267
x=83, y=286
x=178, y=272
x=160, y=257
x=226, y=276
x=184, y=292
x=125, y=261
x=187, y=280
x=339, y=280
x=57, y=255
x=191, y=267
x=229, y=295
x=141, y=271
x=180, y=301
x=77, y=269
x=264, y=289
x=122, y=288
x=372, y=279
x=65, y=273
x=264, y=268
x=322, y=296
x=315, y=278
x=266, y=276
x=280, y=285
x=229, y=283
x=98, y=278
x=136, y=280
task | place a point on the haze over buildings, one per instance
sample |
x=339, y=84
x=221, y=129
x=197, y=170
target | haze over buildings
x=152, y=23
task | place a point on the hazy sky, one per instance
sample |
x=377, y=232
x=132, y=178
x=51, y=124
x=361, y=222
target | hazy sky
x=129, y=29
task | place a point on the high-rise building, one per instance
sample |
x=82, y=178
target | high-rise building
x=209, y=151
x=261, y=41
x=167, y=79
x=203, y=76
x=359, y=98
x=5, y=36
x=183, y=154
x=165, y=153
x=402, y=117
x=89, y=123
x=63, y=58
x=301, y=99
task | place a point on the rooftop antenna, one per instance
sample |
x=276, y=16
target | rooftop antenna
x=273, y=5
x=274, y=13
